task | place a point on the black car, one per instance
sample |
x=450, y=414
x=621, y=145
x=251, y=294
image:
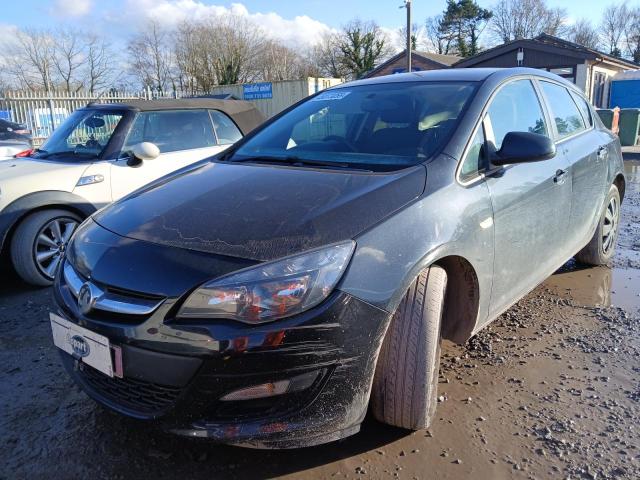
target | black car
x=14, y=131
x=265, y=296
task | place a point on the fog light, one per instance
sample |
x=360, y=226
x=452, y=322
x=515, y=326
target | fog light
x=272, y=389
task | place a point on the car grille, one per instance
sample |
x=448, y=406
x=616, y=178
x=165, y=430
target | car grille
x=135, y=396
x=110, y=303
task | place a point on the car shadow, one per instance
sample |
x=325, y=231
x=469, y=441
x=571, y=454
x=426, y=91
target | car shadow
x=136, y=444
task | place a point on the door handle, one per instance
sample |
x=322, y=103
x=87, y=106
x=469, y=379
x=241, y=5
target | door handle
x=560, y=176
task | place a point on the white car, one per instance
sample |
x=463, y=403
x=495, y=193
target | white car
x=99, y=154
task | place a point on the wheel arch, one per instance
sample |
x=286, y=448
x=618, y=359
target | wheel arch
x=620, y=182
x=462, y=298
x=16, y=211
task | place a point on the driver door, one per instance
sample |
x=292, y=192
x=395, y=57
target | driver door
x=183, y=137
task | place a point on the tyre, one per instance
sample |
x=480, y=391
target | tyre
x=39, y=242
x=602, y=245
x=405, y=384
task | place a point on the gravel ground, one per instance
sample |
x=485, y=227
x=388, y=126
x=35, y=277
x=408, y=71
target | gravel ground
x=549, y=390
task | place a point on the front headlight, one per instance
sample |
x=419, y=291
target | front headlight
x=271, y=290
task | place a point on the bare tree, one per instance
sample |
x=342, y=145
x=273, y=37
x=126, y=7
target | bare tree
x=238, y=44
x=327, y=57
x=615, y=22
x=417, y=37
x=440, y=39
x=279, y=62
x=584, y=33
x=516, y=19
x=29, y=60
x=99, y=58
x=68, y=57
x=150, y=57
x=632, y=35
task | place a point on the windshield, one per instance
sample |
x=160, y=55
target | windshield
x=379, y=126
x=84, y=134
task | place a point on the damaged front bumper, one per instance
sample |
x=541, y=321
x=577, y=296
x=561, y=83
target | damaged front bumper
x=176, y=374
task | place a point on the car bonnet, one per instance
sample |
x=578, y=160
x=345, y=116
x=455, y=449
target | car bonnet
x=260, y=212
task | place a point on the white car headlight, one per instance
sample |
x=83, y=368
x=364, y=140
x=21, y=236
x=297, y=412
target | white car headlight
x=271, y=290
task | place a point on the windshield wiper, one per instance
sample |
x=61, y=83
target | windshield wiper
x=297, y=161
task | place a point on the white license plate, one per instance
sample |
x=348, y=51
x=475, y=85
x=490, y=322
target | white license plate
x=83, y=344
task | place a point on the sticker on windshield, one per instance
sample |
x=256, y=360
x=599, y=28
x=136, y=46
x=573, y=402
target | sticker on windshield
x=335, y=95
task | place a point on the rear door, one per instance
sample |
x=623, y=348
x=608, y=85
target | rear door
x=586, y=152
x=531, y=201
x=183, y=137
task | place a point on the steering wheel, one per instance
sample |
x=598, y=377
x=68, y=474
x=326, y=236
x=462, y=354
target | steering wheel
x=342, y=140
x=92, y=143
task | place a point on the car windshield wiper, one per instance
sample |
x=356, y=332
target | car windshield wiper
x=297, y=161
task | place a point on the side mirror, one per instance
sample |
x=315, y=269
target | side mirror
x=524, y=147
x=145, y=151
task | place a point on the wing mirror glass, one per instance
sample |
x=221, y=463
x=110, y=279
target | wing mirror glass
x=524, y=147
x=145, y=151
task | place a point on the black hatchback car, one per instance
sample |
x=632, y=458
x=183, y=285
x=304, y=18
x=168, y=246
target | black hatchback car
x=265, y=296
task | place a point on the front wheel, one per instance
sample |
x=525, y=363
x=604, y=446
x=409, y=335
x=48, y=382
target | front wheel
x=405, y=384
x=39, y=243
x=603, y=243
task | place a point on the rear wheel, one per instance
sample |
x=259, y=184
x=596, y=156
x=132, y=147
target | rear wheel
x=602, y=245
x=39, y=243
x=405, y=385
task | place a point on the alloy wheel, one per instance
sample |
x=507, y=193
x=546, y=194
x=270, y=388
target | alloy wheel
x=50, y=244
x=610, y=225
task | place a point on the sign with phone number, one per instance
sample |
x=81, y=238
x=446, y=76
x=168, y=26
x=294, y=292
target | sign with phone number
x=257, y=91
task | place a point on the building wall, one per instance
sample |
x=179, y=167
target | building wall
x=608, y=71
x=531, y=58
x=417, y=64
x=284, y=94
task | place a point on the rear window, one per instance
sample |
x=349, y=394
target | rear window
x=226, y=130
x=584, y=108
x=565, y=113
x=389, y=125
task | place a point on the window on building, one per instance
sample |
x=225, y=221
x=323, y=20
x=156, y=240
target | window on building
x=599, y=81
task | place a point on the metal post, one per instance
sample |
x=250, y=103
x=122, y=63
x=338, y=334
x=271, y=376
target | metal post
x=407, y=4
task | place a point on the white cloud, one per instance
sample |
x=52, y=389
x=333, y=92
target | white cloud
x=299, y=31
x=71, y=8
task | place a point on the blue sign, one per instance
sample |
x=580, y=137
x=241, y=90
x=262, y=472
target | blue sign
x=256, y=91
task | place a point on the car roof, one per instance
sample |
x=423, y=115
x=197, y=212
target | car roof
x=455, y=75
x=243, y=113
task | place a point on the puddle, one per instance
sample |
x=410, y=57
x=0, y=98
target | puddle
x=632, y=171
x=598, y=286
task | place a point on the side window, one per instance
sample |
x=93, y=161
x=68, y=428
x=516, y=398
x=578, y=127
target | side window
x=584, y=108
x=565, y=112
x=474, y=160
x=172, y=130
x=516, y=108
x=226, y=130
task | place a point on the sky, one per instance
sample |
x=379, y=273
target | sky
x=295, y=22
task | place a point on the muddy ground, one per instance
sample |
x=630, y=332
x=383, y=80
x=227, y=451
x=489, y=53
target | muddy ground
x=550, y=390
